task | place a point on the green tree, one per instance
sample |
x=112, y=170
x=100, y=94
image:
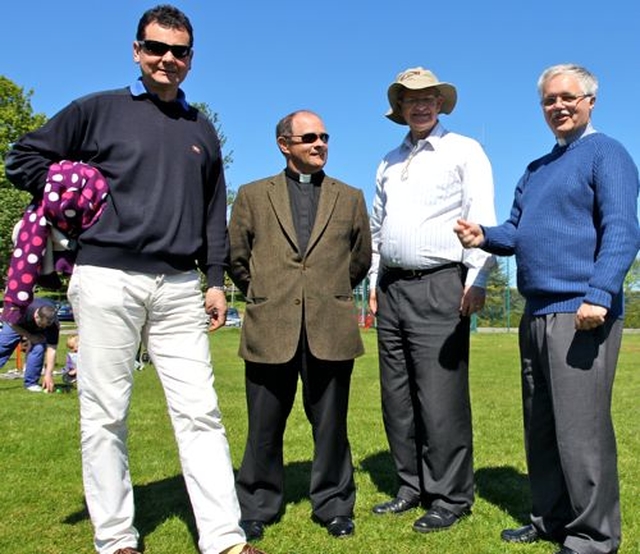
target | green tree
x=227, y=158
x=16, y=119
x=503, y=305
x=632, y=296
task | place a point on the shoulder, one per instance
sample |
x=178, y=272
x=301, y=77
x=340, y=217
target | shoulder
x=259, y=185
x=341, y=186
x=102, y=96
x=461, y=142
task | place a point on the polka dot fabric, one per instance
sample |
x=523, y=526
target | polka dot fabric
x=74, y=197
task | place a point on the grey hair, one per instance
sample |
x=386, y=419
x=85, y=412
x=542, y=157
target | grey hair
x=588, y=81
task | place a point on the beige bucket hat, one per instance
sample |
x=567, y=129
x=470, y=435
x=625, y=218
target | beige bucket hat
x=418, y=78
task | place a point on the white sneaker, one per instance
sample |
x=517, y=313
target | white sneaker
x=34, y=388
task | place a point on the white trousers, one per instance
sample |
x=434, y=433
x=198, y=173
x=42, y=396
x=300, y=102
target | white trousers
x=114, y=310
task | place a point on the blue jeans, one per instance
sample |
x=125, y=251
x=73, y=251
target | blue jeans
x=9, y=339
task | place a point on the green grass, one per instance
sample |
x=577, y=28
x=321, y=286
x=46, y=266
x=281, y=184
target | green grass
x=41, y=494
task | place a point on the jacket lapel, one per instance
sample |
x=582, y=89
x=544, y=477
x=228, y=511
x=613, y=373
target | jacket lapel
x=279, y=198
x=326, y=205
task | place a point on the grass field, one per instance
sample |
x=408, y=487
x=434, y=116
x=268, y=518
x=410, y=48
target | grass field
x=41, y=494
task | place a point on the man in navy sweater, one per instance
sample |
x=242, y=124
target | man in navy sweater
x=574, y=231
x=136, y=279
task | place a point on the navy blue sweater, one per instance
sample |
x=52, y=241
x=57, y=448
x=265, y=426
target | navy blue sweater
x=573, y=227
x=166, y=211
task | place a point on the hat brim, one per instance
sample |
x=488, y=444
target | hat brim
x=447, y=91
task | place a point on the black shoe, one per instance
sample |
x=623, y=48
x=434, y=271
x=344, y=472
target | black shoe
x=340, y=526
x=525, y=534
x=396, y=506
x=253, y=529
x=437, y=518
x=566, y=550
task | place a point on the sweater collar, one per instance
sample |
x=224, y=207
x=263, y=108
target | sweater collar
x=566, y=141
x=137, y=88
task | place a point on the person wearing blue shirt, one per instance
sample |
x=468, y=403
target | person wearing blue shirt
x=574, y=231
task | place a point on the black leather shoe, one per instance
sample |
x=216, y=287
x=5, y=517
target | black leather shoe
x=565, y=550
x=396, y=506
x=437, y=518
x=253, y=529
x=340, y=526
x=525, y=534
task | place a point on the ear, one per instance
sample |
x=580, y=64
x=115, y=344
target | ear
x=283, y=144
x=136, y=51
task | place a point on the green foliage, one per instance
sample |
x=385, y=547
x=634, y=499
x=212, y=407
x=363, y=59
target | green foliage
x=16, y=119
x=503, y=305
x=42, y=497
x=215, y=120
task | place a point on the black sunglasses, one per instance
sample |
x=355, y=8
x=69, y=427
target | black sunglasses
x=310, y=138
x=157, y=48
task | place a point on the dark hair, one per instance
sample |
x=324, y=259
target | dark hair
x=167, y=16
x=46, y=315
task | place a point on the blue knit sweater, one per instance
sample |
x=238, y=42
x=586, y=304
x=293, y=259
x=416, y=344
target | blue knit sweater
x=573, y=227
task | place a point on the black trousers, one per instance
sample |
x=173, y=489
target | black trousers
x=270, y=391
x=423, y=344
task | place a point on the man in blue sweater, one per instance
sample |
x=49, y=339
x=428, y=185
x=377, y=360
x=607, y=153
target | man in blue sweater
x=574, y=231
x=136, y=279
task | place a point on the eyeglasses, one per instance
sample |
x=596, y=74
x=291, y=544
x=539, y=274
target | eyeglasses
x=310, y=138
x=565, y=99
x=426, y=100
x=157, y=48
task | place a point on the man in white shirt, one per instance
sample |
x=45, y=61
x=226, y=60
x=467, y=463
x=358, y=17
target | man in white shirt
x=424, y=288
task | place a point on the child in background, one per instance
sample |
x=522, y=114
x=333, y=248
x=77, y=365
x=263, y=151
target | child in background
x=70, y=369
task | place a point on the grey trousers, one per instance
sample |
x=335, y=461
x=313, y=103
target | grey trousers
x=567, y=381
x=423, y=345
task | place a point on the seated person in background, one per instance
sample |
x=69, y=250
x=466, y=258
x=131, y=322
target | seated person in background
x=70, y=369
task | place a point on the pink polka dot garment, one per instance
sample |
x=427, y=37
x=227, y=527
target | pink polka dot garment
x=74, y=197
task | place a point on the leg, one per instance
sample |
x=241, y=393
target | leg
x=35, y=361
x=396, y=393
x=9, y=339
x=178, y=342
x=550, y=508
x=270, y=392
x=110, y=310
x=438, y=339
x=582, y=370
x=326, y=401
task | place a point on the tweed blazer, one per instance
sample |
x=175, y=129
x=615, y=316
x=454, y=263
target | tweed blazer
x=287, y=289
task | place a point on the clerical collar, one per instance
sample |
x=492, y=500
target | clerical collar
x=315, y=178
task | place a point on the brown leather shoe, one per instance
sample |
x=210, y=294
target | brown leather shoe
x=127, y=550
x=250, y=549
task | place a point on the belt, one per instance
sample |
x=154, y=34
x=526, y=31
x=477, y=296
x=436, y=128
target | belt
x=399, y=273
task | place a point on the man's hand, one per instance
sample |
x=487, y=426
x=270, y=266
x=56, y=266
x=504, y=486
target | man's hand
x=215, y=304
x=47, y=382
x=472, y=300
x=373, y=301
x=469, y=234
x=590, y=316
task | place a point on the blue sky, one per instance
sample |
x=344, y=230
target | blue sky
x=256, y=61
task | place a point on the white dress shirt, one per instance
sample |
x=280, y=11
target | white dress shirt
x=421, y=190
